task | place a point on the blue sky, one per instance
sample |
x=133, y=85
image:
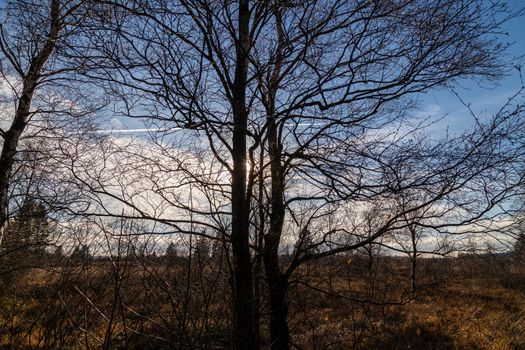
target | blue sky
x=484, y=99
x=442, y=104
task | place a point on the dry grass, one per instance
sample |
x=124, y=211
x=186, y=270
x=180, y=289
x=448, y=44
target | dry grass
x=454, y=309
x=460, y=304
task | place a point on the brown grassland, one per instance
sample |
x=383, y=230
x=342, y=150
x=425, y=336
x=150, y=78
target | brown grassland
x=470, y=302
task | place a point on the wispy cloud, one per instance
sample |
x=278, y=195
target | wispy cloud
x=132, y=131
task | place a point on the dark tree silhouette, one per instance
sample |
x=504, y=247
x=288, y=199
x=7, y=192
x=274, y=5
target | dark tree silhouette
x=300, y=113
x=519, y=247
x=80, y=254
x=26, y=239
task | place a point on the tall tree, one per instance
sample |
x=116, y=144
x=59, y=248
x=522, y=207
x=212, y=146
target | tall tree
x=34, y=39
x=332, y=78
x=214, y=42
x=321, y=94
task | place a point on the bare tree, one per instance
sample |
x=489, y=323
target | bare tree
x=335, y=77
x=306, y=107
x=34, y=39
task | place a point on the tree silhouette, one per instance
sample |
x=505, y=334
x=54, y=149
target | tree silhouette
x=519, y=247
x=81, y=253
x=26, y=238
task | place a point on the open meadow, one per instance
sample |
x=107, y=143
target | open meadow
x=470, y=302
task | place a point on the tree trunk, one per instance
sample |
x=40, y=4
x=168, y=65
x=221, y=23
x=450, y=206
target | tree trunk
x=9, y=149
x=12, y=135
x=413, y=261
x=7, y=158
x=279, y=332
x=413, y=285
x=258, y=270
x=277, y=281
x=244, y=336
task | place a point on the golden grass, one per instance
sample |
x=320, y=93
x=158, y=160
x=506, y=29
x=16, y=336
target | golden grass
x=464, y=307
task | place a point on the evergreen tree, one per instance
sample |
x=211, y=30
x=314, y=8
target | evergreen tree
x=58, y=254
x=171, y=255
x=202, y=248
x=81, y=253
x=27, y=235
x=25, y=241
x=519, y=247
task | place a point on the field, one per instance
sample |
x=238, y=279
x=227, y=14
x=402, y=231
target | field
x=470, y=302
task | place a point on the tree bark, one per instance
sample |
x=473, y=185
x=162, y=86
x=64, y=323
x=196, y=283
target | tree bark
x=244, y=335
x=276, y=280
x=13, y=134
x=413, y=262
x=279, y=331
x=9, y=149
